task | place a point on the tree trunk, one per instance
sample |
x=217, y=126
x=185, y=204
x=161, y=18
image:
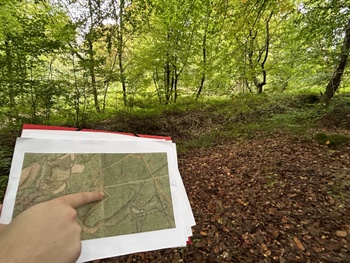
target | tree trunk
x=77, y=93
x=122, y=76
x=91, y=64
x=108, y=79
x=204, y=54
x=93, y=76
x=167, y=81
x=263, y=51
x=121, y=49
x=334, y=82
x=32, y=94
x=176, y=81
x=260, y=85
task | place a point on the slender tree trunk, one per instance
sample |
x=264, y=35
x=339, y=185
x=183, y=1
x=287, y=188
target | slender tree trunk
x=32, y=94
x=200, y=86
x=120, y=49
x=107, y=81
x=48, y=100
x=334, y=83
x=118, y=16
x=204, y=50
x=93, y=75
x=259, y=85
x=204, y=63
x=265, y=50
x=263, y=83
x=77, y=100
x=122, y=77
x=92, y=60
x=175, y=83
x=167, y=80
x=246, y=81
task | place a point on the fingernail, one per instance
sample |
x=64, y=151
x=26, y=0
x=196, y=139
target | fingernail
x=102, y=194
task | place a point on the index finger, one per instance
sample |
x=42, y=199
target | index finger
x=80, y=199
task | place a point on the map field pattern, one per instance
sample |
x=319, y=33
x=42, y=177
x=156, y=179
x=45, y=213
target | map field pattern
x=136, y=186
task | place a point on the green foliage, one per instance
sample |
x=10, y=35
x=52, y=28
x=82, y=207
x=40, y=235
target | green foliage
x=339, y=190
x=9, y=23
x=7, y=138
x=3, y=184
x=5, y=159
x=205, y=140
x=332, y=140
x=172, y=68
x=60, y=65
x=209, y=121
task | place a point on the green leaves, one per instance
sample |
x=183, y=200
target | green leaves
x=98, y=53
x=9, y=24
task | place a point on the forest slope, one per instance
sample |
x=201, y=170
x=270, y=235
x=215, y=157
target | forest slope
x=267, y=191
x=262, y=185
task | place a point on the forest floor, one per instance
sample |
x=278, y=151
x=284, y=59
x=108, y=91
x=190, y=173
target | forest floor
x=272, y=199
x=269, y=196
x=260, y=191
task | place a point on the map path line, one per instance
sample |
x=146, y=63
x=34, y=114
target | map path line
x=157, y=194
x=132, y=182
x=156, y=182
x=149, y=170
x=128, y=156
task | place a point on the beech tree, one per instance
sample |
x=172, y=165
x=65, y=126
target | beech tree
x=334, y=82
x=325, y=31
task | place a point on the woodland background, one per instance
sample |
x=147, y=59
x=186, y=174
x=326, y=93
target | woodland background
x=255, y=93
x=75, y=61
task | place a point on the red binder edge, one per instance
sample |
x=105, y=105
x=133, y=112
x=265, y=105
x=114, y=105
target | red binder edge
x=60, y=128
x=45, y=127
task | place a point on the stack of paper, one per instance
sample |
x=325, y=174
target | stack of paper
x=145, y=206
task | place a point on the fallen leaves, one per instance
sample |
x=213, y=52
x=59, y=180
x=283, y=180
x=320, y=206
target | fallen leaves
x=341, y=233
x=264, y=247
x=275, y=199
x=299, y=244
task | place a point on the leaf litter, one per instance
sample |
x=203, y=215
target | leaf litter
x=273, y=199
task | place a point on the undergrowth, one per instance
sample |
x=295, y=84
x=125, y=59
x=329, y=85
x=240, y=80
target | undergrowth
x=210, y=121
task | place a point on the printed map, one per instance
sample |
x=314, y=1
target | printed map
x=136, y=186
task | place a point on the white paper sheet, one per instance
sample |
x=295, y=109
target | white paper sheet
x=119, y=245
x=82, y=135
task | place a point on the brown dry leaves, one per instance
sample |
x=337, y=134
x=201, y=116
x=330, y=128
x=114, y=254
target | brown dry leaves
x=276, y=199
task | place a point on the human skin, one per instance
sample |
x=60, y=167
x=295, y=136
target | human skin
x=46, y=232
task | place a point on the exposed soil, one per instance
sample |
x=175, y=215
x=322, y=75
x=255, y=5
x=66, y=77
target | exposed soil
x=274, y=199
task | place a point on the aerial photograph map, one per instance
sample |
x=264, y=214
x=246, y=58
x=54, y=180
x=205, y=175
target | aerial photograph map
x=136, y=186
